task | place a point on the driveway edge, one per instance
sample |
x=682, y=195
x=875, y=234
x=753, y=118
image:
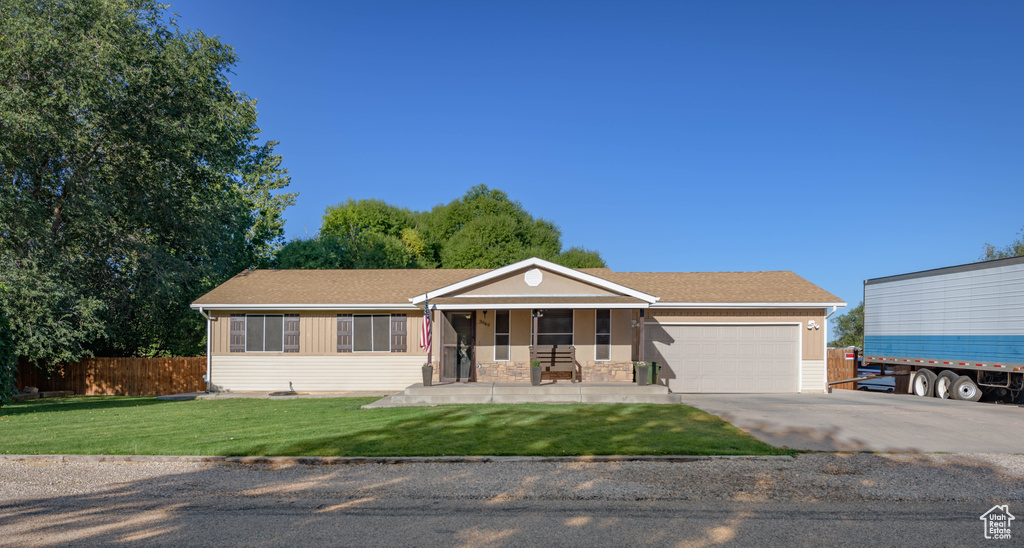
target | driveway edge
x=332, y=461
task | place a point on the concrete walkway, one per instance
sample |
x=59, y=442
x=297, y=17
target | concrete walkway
x=558, y=392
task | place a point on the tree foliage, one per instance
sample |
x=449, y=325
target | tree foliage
x=848, y=328
x=8, y=357
x=482, y=229
x=1014, y=249
x=131, y=178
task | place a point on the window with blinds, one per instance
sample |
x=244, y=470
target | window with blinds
x=603, y=335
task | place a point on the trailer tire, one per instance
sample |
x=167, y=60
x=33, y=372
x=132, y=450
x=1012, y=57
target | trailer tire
x=944, y=384
x=964, y=389
x=924, y=383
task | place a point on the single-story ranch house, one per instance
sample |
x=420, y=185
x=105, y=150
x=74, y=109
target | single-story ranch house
x=333, y=330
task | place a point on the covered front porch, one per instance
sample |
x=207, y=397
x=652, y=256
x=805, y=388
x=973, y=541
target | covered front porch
x=573, y=343
x=501, y=392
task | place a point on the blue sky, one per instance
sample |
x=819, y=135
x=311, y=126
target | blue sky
x=842, y=141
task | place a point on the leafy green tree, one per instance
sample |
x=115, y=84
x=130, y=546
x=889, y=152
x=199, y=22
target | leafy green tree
x=8, y=357
x=486, y=229
x=578, y=257
x=315, y=254
x=131, y=179
x=356, y=217
x=848, y=328
x=1014, y=249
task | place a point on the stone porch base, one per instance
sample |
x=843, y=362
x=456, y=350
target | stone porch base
x=519, y=372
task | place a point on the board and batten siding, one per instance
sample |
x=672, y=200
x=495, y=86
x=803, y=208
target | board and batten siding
x=359, y=371
x=318, y=331
x=812, y=341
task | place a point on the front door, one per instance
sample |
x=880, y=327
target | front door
x=458, y=346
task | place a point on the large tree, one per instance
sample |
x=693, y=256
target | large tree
x=848, y=328
x=482, y=229
x=131, y=178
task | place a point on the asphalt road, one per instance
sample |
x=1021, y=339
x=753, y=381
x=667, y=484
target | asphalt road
x=813, y=500
x=850, y=420
x=342, y=522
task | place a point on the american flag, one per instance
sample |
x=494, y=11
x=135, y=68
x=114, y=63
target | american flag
x=425, y=333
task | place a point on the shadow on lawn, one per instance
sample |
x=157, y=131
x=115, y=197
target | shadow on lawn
x=536, y=430
x=77, y=403
x=436, y=504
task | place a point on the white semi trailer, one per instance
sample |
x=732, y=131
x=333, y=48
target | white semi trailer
x=960, y=329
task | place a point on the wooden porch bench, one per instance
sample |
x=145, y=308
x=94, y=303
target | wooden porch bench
x=558, y=359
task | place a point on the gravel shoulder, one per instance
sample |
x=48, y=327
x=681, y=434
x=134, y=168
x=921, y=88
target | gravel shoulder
x=815, y=477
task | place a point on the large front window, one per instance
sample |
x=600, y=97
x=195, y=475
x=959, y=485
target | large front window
x=371, y=333
x=554, y=327
x=264, y=332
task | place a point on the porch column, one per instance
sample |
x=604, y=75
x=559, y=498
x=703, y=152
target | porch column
x=533, y=346
x=640, y=350
x=430, y=351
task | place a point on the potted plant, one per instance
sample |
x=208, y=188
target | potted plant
x=642, y=371
x=535, y=373
x=428, y=373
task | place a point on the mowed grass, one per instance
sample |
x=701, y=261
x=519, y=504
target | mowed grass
x=122, y=425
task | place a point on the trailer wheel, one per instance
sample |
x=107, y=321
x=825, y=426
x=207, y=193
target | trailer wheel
x=944, y=384
x=965, y=389
x=924, y=383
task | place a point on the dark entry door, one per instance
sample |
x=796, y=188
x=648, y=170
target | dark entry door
x=457, y=354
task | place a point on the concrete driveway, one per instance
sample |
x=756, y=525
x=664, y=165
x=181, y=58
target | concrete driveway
x=847, y=420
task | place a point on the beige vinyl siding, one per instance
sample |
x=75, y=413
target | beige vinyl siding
x=812, y=375
x=318, y=331
x=241, y=372
x=813, y=340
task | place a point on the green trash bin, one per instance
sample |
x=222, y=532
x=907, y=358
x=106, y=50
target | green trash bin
x=654, y=372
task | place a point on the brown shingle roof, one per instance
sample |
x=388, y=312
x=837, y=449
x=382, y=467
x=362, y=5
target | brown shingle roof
x=308, y=287
x=332, y=286
x=724, y=287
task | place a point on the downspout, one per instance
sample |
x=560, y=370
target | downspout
x=208, y=356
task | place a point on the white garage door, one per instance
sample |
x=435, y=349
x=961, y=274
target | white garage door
x=725, y=358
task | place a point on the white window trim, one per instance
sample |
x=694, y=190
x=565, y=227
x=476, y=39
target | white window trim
x=354, y=351
x=264, y=351
x=509, y=335
x=609, y=358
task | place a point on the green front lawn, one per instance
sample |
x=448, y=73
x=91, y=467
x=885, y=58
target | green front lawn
x=119, y=425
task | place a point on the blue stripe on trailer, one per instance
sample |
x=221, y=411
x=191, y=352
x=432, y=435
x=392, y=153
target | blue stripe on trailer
x=985, y=348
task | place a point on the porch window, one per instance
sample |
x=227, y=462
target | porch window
x=501, y=336
x=371, y=333
x=603, y=332
x=264, y=332
x=554, y=327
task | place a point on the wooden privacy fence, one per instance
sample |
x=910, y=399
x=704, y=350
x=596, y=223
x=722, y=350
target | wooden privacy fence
x=120, y=376
x=840, y=368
